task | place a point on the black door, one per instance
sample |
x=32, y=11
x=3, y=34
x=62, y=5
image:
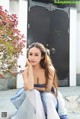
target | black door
x=38, y=25
x=59, y=40
x=50, y=27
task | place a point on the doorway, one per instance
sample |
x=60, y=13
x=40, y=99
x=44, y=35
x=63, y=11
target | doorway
x=49, y=25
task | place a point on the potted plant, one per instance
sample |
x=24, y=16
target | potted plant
x=11, y=44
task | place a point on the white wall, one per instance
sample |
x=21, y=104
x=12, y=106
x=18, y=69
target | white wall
x=19, y=7
x=73, y=39
x=78, y=45
x=23, y=7
x=5, y=4
x=14, y=7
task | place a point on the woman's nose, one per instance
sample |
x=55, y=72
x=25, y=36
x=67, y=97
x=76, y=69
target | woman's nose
x=32, y=57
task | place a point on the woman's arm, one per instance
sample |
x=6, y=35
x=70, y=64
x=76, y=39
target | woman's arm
x=28, y=77
x=51, y=78
x=40, y=88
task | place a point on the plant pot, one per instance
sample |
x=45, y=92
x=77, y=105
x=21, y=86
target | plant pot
x=3, y=84
x=9, y=82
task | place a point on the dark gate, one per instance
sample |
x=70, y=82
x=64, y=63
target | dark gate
x=38, y=25
x=50, y=26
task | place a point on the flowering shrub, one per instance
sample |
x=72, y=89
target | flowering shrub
x=11, y=42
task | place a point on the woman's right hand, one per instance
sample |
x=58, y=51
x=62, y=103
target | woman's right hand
x=28, y=63
x=29, y=67
x=28, y=76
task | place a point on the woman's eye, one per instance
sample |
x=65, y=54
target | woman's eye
x=33, y=54
x=30, y=54
x=36, y=54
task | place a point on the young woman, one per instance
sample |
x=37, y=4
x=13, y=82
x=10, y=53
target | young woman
x=39, y=98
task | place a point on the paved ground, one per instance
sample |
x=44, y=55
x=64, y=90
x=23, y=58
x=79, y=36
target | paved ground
x=70, y=94
x=72, y=101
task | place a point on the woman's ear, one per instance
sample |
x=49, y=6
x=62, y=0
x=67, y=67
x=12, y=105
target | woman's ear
x=42, y=57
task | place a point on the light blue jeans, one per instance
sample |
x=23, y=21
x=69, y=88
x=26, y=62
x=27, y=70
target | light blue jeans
x=36, y=105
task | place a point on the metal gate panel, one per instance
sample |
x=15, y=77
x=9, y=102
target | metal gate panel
x=39, y=24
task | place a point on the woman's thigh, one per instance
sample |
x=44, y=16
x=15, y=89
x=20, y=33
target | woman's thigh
x=31, y=106
x=49, y=98
x=50, y=102
x=34, y=97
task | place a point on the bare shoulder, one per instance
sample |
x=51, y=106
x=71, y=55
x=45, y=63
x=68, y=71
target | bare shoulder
x=51, y=69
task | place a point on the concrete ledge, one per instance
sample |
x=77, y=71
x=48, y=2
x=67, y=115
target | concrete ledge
x=78, y=79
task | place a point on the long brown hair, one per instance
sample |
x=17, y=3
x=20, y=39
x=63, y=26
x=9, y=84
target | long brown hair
x=45, y=62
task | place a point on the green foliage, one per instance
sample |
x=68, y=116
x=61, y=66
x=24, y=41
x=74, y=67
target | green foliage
x=11, y=41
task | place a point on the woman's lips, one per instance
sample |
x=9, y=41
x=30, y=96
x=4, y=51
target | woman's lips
x=33, y=61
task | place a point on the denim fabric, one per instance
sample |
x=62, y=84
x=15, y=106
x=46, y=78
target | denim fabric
x=18, y=98
x=64, y=117
x=38, y=105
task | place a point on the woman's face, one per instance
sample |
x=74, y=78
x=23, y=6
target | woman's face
x=34, y=56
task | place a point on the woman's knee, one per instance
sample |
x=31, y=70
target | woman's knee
x=48, y=99
x=47, y=96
